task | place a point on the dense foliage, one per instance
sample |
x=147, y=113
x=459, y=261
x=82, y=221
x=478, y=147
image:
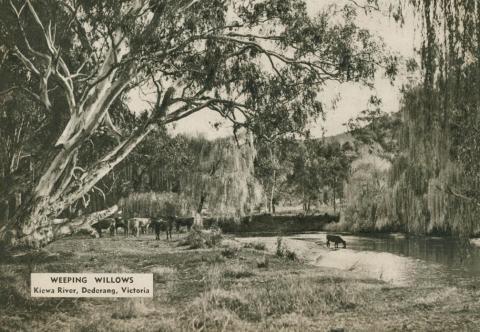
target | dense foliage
x=433, y=183
x=259, y=63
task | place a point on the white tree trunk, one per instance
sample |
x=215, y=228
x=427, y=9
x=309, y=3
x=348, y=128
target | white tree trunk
x=48, y=230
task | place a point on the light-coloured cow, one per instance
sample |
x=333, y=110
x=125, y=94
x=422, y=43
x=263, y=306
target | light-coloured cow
x=138, y=225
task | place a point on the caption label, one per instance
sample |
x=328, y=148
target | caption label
x=92, y=285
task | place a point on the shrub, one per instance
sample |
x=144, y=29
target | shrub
x=255, y=245
x=291, y=255
x=283, y=251
x=200, y=238
x=262, y=263
x=194, y=239
x=214, y=237
x=280, y=252
x=230, y=252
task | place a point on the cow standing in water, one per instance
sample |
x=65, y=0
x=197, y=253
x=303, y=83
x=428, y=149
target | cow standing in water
x=335, y=239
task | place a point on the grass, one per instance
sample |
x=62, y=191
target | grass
x=255, y=245
x=230, y=252
x=220, y=288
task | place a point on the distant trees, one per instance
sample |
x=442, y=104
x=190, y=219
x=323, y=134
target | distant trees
x=273, y=164
x=319, y=165
x=376, y=129
x=234, y=176
x=303, y=170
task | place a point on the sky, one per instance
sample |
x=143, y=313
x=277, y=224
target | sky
x=353, y=97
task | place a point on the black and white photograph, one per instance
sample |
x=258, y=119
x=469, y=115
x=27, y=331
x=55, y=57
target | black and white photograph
x=239, y=165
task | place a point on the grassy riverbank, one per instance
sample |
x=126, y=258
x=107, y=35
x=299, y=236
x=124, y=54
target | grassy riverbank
x=229, y=288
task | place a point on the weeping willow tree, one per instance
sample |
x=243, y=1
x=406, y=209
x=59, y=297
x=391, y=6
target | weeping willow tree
x=422, y=190
x=219, y=175
x=426, y=178
x=222, y=178
x=364, y=194
x=434, y=182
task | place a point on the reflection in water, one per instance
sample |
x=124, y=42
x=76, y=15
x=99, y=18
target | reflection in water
x=448, y=252
x=384, y=266
x=395, y=259
x=413, y=259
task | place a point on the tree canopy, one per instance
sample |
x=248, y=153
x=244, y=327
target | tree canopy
x=259, y=63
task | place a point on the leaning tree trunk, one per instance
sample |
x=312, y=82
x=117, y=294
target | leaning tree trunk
x=36, y=222
x=47, y=230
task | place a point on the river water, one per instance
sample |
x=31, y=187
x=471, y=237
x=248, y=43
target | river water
x=393, y=258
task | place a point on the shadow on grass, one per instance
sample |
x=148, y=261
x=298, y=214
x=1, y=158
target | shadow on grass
x=37, y=257
x=15, y=297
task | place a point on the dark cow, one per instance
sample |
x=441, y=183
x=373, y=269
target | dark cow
x=184, y=221
x=335, y=239
x=139, y=225
x=163, y=224
x=104, y=224
x=119, y=223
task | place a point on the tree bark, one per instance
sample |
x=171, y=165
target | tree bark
x=334, y=203
x=5, y=208
x=272, y=192
x=33, y=225
x=334, y=195
x=201, y=203
x=49, y=230
x=198, y=220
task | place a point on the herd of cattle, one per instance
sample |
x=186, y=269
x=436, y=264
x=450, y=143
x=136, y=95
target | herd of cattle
x=137, y=226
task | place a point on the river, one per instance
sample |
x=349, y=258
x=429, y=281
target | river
x=393, y=258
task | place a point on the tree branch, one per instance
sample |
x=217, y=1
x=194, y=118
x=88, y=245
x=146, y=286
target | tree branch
x=452, y=192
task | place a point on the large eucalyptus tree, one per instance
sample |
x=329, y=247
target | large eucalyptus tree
x=246, y=59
